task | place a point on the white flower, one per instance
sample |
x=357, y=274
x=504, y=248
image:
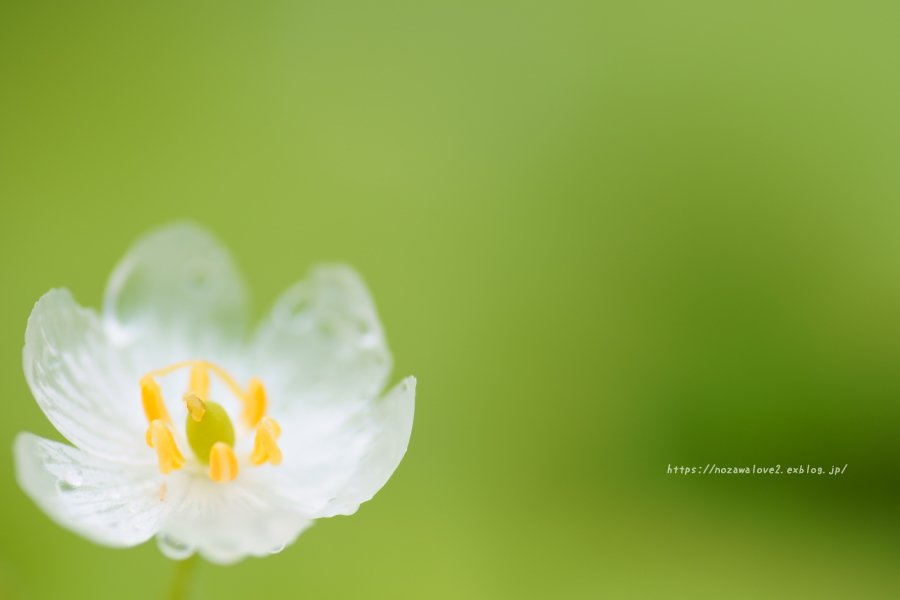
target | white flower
x=305, y=433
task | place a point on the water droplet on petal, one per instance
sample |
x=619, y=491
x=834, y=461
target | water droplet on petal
x=199, y=279
x=276, y=549
x=301, y=305
x=71, y=479
x=370, y=340
x=172, y=548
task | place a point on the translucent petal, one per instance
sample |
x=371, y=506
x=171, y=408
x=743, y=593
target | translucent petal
x=322, y=343
x=176, y=294
x=106, y=502
x=82, y=382
x=335, y=460
x=227, y=522
x=391, y=421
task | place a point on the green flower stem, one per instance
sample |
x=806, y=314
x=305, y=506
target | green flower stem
x=184, y=575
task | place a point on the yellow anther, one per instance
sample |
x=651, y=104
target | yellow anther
x=223, y=464
x=200, y=381
x=226, y=378
x=265, y=447
x=160, y=437
x=195, y=406
x=255, y=405
x=151, y=396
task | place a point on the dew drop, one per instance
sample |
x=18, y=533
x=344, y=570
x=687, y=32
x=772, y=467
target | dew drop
x=327, y=329
x=71, y=479
x=363, y=326
x=294, y=311
x=301, y=305
x=172, y=548
x=276, y=549
x=369, y=340
x=198, y=279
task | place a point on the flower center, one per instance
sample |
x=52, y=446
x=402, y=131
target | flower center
x=208, y=428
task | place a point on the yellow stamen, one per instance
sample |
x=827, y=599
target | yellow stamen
x=151, y=396
x=255, y=406
x=173, y=368
x=223, y=464
x=226, y=379
x=208, y=427
x=200, y=381
x=195, y=406
x=160, y=437
x=204, y=364
x=265, y=448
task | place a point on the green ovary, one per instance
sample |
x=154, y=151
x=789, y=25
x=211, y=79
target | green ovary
x=215, y=426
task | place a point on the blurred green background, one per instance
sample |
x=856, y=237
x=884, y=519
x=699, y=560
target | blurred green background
x=606, y=237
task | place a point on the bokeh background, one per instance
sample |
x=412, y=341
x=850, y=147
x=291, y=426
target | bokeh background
x=606, y=237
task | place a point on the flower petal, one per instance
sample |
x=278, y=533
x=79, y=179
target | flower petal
x=333, y=463
x=228, y=522
x=322, y=343
x=81, y=381
x=108, y=503
x=176, y=293
x=392, y=418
